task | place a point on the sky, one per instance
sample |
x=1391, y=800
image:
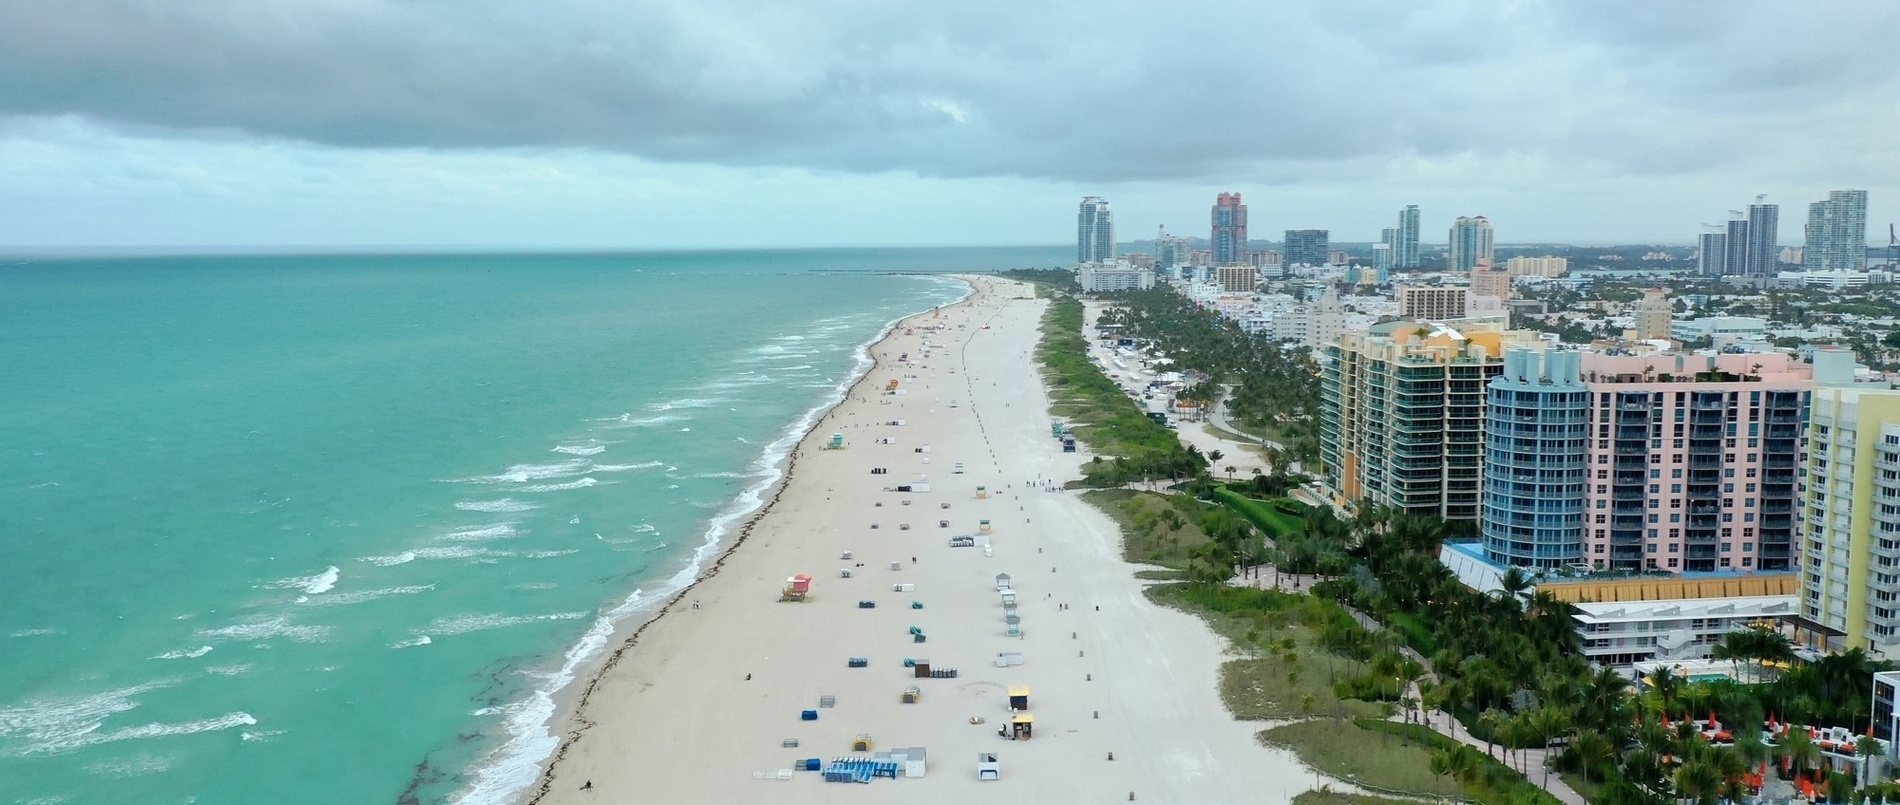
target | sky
x=771, y=123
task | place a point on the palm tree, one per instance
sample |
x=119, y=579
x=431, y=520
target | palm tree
x=1870, y=750
x=1800, y=750
x=1699, y=780
x=1594, y=751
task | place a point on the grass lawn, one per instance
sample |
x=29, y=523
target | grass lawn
x=1148, y=520
x=1349, y=752
x=1265, y=680
x=1331, y=797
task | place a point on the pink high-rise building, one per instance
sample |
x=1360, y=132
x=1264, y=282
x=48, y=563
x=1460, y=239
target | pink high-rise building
x=1694, y=460
x=1228, y=234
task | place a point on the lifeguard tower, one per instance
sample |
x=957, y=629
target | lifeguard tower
x=983, y=525
x=797, y=588
x=982, y=493
x=1022, y=726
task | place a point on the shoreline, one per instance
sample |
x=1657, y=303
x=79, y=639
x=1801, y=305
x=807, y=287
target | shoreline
x=571, y=701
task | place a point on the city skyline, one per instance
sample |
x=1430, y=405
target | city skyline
x=653, y=125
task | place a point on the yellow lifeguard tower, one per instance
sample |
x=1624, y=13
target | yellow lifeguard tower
x=1022, y=725
x=862, y=743
x=912, y=695
x=983, y=526
x=982, y=493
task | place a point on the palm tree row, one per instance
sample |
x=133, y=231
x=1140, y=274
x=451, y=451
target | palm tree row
x=1276, y=385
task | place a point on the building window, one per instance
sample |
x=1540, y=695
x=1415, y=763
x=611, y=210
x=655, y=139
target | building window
x=1675, y=548
x=1672, y=561
x=1728, y=547
x=1675, y=488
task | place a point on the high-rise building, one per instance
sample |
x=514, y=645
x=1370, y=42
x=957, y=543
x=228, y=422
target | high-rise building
x=1307, y=247
x=1691, y=462
x=1315, y=324
x=1536, y=429
x=1407, y=243
x=1837, y=232
x=1229, y=234
x=1094, y=232
x=1711, y=250
x=1385, y=253
x=1402, y=414
x=1170, y=250
x=1764, y=239
x=1237, y=279
x=1851, y=569
x=1471, y=240
x=1695, y=459
x=1654, y=313
x=1537, y=266
x=1432, y=303
x=1735, y=246
x=1488, y=281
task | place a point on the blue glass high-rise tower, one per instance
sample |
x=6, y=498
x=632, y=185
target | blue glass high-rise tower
x=1536, y=433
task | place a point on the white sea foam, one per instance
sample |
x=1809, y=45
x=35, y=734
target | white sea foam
x=259, y=735
x=184, y=654
x=463, y=624
x=93, y=737
x=583, y=449
x=547, y=554
x=392, y=559
x=504, y=772
x=137, y=765
x=536, y=585
x=582, y=483
x=35, y=632
x=645, y=465
x=505, y=505
x=48, y=725
x=311, y=585
x=229, y=670
x=523, y=473
x=265, y=629
x=481, y=533
x=459, y=552
x=753, y=474
x=418, y=640
x=359, y=596
x=688, y=402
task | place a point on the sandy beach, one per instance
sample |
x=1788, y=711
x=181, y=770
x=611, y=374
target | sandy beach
x=697, y=708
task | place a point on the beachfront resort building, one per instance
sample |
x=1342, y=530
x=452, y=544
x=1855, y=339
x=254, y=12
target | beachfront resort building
x=1106, y=277
x=1851, y=566
x=1691, y=461
x=1536, y=430
x=1402, y=414
x=1094, y=231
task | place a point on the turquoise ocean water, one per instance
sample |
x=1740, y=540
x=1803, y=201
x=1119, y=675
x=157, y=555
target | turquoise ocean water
x=334, y=528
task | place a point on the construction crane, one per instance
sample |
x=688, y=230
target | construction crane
x=1893, y=249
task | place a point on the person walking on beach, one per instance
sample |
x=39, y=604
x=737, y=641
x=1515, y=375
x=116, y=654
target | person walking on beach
x=587, y=786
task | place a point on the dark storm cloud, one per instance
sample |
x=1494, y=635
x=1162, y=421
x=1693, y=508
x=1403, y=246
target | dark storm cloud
x=1087, y=91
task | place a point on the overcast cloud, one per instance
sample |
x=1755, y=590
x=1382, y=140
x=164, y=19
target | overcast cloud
x=598, y=122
